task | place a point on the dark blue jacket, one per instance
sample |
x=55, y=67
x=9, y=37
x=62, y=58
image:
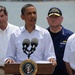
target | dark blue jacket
x=59, y=41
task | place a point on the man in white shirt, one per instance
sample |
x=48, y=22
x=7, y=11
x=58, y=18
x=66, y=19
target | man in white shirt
x=44, y=49
x=69, y=55
x=6, y=30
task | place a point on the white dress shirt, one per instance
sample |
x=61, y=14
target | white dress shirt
x=4, y=38
x=44, y=50
x=69, y=54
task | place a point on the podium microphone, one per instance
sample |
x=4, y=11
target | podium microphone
x=26, y=43
x=34, y=43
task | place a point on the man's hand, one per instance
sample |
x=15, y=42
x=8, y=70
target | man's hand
x=54, y=63
x=9, y=61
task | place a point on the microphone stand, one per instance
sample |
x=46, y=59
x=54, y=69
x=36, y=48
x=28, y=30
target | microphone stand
x=28, y=52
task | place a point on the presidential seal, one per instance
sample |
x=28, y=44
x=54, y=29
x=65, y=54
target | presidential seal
x=28, y=67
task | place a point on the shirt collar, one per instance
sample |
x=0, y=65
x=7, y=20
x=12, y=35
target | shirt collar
x=62, y=30
x=24, y=29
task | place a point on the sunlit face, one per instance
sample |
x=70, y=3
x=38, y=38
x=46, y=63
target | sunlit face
x=30, y=16
x=3, y=20
x=55, y=21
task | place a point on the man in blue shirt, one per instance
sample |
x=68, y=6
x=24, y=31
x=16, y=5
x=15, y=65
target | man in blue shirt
x=59, y=36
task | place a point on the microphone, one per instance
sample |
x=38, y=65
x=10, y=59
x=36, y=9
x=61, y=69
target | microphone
x=34, y=43
x=26, y=43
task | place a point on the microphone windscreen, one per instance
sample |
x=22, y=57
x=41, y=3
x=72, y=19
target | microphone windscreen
x=26, y=42
x=34, y=41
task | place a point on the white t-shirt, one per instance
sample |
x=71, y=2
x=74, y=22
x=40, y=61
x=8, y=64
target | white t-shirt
x=69, y=54
x=4, y=39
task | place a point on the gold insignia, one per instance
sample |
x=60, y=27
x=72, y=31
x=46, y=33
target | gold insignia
x=28, y=67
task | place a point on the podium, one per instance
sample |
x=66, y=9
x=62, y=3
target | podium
x=42, y=68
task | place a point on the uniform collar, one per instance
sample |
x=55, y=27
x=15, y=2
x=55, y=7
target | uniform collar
x=62, y=30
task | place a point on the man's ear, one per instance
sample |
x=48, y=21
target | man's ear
x=22, y=17
x=7, y=14
x=47, y=17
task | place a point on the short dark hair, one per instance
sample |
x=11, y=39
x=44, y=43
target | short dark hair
x=24, y=7
x=2, y=8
